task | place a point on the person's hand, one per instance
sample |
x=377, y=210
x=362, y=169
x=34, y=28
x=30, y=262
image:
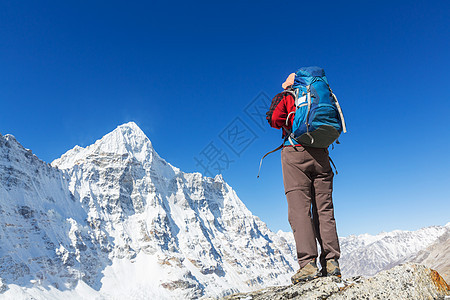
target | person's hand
x=289, y=81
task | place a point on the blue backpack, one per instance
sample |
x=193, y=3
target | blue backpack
x=318, y=119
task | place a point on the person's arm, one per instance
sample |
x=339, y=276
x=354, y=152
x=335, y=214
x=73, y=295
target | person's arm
x=282, y=105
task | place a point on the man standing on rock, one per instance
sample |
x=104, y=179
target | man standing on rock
x=308, y=184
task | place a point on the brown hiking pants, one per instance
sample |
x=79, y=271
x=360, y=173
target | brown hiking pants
x=308, y=184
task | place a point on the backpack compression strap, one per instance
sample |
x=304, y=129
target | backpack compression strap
x=275, y=150
x=308, y=97
x=288, y=133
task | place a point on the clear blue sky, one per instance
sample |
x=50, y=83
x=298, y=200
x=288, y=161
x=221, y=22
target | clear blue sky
x=184, y=71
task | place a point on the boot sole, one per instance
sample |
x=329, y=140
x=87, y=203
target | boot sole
x=309, y=278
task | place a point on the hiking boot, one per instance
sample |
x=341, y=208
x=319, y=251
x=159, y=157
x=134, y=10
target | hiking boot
x=323, y=269
x=308, y=272
x=331, y=269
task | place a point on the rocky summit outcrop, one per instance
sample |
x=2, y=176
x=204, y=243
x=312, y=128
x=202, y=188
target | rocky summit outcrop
x=408, y=281
x=437, y=256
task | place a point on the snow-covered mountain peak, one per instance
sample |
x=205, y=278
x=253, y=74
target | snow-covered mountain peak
x=219, y=178
x=11, y=139
x=9, y=136
x=130, y=133
x=16, y=152
x=125, y=142
x=126, y=139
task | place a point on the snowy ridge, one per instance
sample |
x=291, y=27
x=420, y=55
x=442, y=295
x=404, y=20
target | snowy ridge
x=366, y=254
x=133, y=226
x=40, y=221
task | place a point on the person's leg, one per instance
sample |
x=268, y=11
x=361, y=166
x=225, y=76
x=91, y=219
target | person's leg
x=316, y=224
x=323, y=187
x=296, y=165
x=299, y=215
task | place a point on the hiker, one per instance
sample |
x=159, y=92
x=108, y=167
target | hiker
x=308, y=182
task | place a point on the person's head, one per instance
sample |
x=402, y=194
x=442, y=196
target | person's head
x=289, y=81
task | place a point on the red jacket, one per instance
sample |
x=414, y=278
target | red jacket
x=283, y=105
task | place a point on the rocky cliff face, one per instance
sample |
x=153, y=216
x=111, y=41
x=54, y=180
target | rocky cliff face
x=436, y=256
x=407, y=281
x=119, y=221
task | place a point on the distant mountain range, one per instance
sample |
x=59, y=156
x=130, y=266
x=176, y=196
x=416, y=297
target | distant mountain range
x=366, y=255
x=116, y=221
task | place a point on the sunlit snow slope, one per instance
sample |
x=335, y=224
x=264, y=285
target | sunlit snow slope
x=115, y=220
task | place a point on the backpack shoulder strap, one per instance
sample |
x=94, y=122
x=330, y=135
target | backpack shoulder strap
x=344, y=128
